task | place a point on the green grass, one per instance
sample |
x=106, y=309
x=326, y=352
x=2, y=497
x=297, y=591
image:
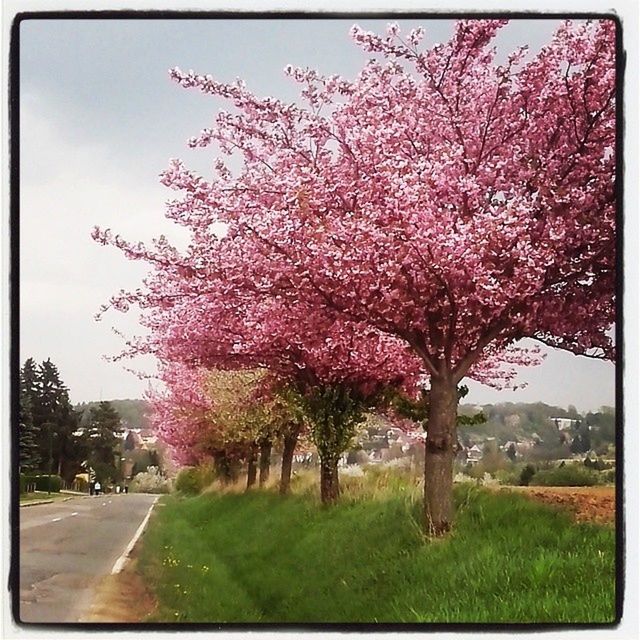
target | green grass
x=40, y=495
x=262, y=558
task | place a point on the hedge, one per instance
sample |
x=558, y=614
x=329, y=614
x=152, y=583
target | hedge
x=41, y=482
x=192, y=480
x=567, y=476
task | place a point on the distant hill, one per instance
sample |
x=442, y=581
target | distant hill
x=134, y=413
x=507, y=421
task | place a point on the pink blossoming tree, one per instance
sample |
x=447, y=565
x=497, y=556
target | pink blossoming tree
x=452, y=203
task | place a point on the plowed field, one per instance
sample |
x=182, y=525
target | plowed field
x=588, y=504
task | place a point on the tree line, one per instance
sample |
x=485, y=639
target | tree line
x=55, y=438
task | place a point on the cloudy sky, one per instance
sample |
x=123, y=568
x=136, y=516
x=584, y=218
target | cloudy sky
x=99, y=120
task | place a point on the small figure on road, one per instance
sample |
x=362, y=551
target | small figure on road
x=97, y=488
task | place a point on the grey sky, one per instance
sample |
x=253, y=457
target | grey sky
x=100, y=119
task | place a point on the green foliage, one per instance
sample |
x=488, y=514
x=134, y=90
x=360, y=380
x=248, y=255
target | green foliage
x=134, y=413
x=527, y=473
x=260, y=558
x=105, y=472
x=492, y=460
x=334, y=412
x=417, y=410
x=188, y=481
x=582, y=441
x=103, y=443
x=598, y=464
x=608, y=476
x=40, y=483
x=570, y=475
x=510, y=476
x=27, y=432
x=508, y=421
x=604, y=426
x=46, y=406
x=192, y=480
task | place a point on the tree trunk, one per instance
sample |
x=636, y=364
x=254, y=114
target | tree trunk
x=439, y=455
x=265, y=461
x=222, y=465
x=251, y=467
x=329, y=481
x=289, y=445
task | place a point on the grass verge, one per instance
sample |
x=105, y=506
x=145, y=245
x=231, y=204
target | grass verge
x=261, y=558
x=40, y=495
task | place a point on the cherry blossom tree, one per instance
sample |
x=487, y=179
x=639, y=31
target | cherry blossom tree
x=208, y=416
x=444, y=200
x=179, y=413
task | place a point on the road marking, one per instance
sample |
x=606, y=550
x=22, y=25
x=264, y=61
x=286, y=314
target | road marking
x=119, y=564
x=75, y=513
x=104, y=503
x=56, y=520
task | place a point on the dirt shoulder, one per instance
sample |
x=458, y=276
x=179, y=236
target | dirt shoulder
x=122, y=597
x=588, y=504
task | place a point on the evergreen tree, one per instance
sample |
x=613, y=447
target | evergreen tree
x=58, y=421
x=27, y=436
x=48, y=423
x=103, y=438
x=582, y=441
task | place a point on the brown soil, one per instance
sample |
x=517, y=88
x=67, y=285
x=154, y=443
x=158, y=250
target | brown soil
x=588, y=504
x=122, y=597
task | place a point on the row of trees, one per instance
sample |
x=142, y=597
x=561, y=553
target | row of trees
x=399, y=232
x=55, y=438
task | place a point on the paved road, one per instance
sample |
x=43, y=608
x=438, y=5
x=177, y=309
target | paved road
x=67, y=547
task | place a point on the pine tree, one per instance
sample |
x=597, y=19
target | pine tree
x=27, y=442
x=103, y=437
x=55, y=417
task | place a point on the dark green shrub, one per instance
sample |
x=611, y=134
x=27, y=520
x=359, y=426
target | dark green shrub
x=598, y=464
x=41, y=483
x=574, y=475
x=608, y=476
x=188, y=482
x=192, y=480
x=508, y=477
x=526, y=474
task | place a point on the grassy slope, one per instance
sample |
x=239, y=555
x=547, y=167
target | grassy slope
x=261, y=558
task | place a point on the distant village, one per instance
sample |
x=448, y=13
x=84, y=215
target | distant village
x=516, y=433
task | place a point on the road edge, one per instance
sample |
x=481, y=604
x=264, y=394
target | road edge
x=121, y=561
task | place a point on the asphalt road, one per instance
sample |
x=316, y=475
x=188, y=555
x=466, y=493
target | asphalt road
x=67, y=547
